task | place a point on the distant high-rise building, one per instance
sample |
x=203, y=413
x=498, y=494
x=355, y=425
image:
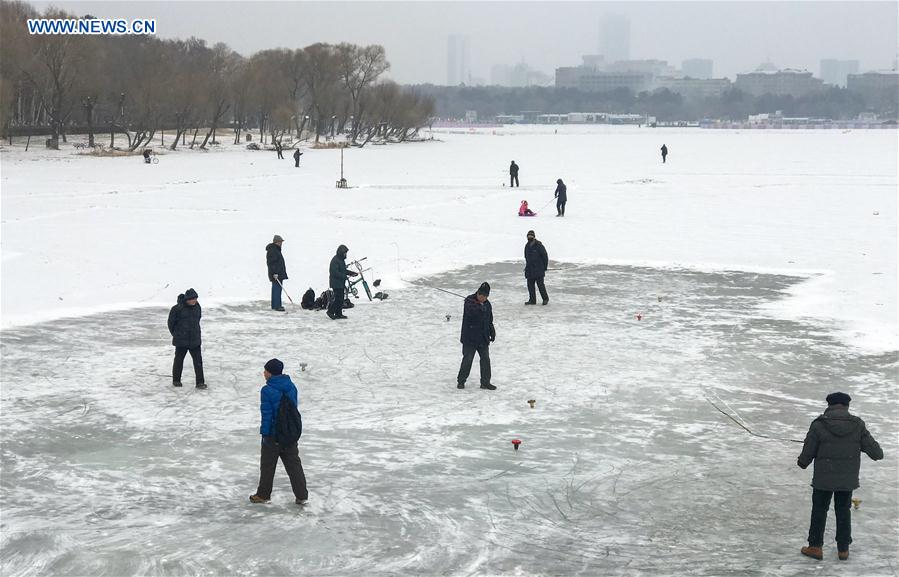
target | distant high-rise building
x=458, y=68
x=697, y=68
x=615, y=37
x=835, y=71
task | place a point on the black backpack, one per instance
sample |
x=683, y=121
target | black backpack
x=289, y=425
x=308, y=301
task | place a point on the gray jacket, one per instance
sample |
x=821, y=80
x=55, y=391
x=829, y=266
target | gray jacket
x=835, y=441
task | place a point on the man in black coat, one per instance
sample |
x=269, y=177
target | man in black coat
x=477, y=334
x=277, y=270
x=184, y=325
x=535, y=264
x=835, y=441
x=337, y=275
x=513, y=174
x=296, y=157
x=279, y=149
x=664, y=153
x=561, y=197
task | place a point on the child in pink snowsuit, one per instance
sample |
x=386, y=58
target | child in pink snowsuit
x=523, y=210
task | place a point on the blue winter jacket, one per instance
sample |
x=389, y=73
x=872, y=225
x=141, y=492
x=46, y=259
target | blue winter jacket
x=270, y=400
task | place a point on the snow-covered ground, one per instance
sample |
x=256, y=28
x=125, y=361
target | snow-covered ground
x=763, y=277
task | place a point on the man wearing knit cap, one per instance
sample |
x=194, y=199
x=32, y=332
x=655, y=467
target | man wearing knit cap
x=835, y=442
x=184, y=326
x=477, y=334
x=277, y=385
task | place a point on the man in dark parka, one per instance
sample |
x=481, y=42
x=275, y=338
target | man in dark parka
x=337, y=275
x=536, y=262
x=561, y=197
x=513, y=174
x=277, y=270
x=664, y=153
x=184, y=325
x=835, y=441
x=477, y=334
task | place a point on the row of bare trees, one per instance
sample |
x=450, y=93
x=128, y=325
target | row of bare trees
x=136, y=86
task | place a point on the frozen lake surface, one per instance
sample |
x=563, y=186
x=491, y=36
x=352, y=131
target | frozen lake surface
x=763, y=265
x=625, y=468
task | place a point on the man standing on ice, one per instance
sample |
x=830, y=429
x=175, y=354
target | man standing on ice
x=184, y=325
x=561, y=197
x=535, y=264
x=835, y=441
x=276, y=386
x=277, y=270
x=337, y=275
x=664, y=153
x=296, y=157
x=279, y=149
x=477, y=334
x=513, y=174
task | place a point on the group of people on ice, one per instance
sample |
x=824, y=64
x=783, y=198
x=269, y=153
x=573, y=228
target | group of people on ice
x=834, y=442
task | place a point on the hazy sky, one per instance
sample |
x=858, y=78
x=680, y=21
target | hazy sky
x=736, y=35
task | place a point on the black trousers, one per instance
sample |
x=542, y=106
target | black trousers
x=532, y=294
x=820, y=504
x=178, y=367
x=513, y=180
x=268, y=462
x=279, y=154
x=335, y=307
x=468, y=352
x=560, y=206
x=296, y=162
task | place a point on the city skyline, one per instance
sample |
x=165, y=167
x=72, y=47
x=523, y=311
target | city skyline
x=737, y=36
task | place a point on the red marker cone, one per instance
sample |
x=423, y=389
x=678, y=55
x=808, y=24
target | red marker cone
x=515, y=443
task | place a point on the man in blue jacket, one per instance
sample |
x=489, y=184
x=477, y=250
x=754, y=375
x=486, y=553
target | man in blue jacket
x=477, y=334
x=277, y=384
x=835, y=441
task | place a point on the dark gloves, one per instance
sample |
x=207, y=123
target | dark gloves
x=492, y=334
x=351, y=273
x=801, y=466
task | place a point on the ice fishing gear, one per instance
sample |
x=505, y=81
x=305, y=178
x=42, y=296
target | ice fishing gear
x=277, y=280
x=351, y=285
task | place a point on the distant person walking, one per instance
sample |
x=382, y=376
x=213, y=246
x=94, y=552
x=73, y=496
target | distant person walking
x=664, y=153
x=337, y=276
x=561, y=197
x=277, y=270
x=147, y=154
x=535, y=264
x=277, y=385
x=835, y=441
x=477, y=334
x=296, y=157
x=513, y=174
x=279, y=149
x=184, y=325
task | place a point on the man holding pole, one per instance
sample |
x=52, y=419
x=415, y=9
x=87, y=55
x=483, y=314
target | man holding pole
x=277, y=270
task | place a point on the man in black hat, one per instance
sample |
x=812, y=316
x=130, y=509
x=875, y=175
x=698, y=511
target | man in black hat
x=835, y=442
x=337, y=275
x=535, y=263
x=277, y=385
x=277, y=270
x=184, y=325
x=477, y=334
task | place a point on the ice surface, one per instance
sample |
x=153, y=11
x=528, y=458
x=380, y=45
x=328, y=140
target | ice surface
x=777, y=285
x=624, y=469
